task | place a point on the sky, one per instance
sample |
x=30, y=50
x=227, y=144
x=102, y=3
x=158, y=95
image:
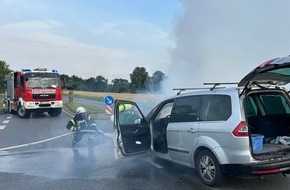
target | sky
x=190, y=41
x=88, y=38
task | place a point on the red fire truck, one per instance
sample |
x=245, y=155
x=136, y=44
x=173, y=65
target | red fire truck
x=36, y=90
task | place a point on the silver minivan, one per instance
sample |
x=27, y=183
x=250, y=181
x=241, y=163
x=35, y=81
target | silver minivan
x=243, y=129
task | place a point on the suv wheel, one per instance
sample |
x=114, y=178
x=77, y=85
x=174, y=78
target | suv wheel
x=208, y=168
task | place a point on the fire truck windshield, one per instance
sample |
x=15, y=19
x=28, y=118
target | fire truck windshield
x=38, y=81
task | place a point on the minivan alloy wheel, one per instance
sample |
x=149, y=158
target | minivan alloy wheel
x=208, y=168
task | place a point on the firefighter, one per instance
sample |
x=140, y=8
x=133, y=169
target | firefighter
x=82, y=121
x=128, y=114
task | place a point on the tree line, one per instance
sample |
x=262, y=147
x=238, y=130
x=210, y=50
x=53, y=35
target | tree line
x=140, y=82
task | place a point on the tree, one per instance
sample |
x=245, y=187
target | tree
x=4, y=69
x=64, y=79
x=88, y=85
x=101, y=84
x=74, y=82
x=120, y=85
x=139, y=80
x=91, y=84
x=155, y=81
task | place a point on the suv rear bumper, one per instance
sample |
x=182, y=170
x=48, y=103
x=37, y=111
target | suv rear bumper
x=257, y=168
x=269, y=168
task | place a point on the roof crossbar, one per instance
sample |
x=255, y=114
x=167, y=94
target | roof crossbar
x=215, y=84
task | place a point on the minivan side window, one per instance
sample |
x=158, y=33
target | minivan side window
x=216, y=108
x=186, y=109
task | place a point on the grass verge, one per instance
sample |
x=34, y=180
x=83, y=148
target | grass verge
x=95, y=112
x=1, y=105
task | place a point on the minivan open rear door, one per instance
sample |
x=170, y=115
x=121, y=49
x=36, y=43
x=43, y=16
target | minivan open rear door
x=132, y=132
x=273, y=72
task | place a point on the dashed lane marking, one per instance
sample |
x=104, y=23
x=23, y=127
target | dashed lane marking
x=8, y=118
x=6, y=121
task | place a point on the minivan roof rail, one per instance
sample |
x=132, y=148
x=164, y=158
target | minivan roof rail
x=215, y=84
x=184, y=89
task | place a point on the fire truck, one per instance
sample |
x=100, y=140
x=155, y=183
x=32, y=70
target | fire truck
x=33, y=90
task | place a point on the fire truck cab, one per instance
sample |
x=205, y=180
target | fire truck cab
x=36, y=90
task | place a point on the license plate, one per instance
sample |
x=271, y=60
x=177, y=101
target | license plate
x=44, y=103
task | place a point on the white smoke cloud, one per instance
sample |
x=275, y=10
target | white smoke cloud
x=221, y=41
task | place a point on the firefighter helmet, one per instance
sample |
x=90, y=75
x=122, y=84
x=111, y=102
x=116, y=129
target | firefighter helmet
x=81, y=113
x=80, y=110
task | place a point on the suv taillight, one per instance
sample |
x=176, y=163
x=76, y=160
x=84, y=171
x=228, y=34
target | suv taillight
x=241, y=130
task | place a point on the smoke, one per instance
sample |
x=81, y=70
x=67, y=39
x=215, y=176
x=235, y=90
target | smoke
x=221, y=41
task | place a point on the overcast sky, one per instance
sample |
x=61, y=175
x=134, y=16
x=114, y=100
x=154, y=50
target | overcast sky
x=190, y=41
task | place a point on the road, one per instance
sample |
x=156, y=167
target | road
x=36, y=153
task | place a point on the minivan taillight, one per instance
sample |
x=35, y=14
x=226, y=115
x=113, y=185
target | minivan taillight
x=241, y=130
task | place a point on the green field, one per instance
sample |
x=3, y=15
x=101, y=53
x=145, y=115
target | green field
x=121, y=96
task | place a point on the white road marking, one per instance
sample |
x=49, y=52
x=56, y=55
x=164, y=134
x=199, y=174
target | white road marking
x=33, y=143
x=155, y=164
x=6, y=121
x=68, y=113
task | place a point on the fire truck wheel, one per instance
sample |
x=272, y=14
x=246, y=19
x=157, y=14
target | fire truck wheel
x=55, y=112
x=22, y=112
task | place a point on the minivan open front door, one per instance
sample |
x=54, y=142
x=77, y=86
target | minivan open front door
x=132, y=130
x=272, y=72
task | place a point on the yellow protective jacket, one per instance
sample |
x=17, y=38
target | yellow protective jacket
x=86, y=124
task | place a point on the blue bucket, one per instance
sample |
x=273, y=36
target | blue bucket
x=257, y=142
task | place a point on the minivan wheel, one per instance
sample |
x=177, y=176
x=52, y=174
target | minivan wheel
x=208, y=168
